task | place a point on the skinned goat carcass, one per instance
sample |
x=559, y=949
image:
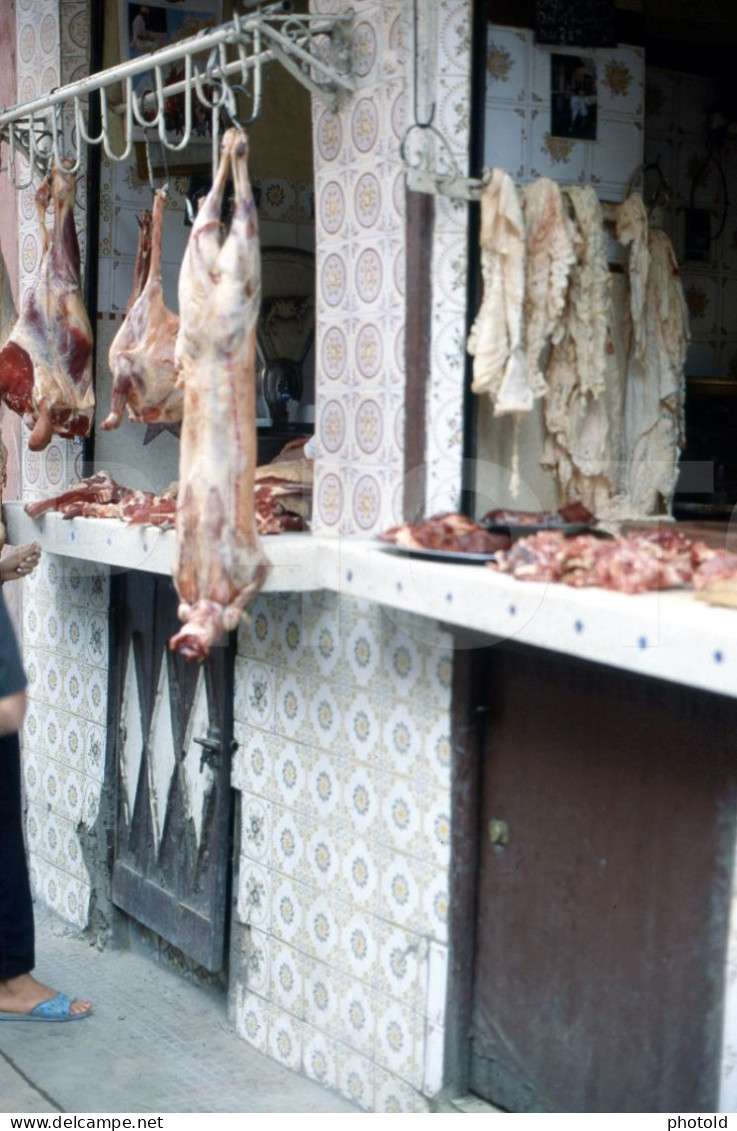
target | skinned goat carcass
x=142, y=353
x=46, y=364
x=219, y=563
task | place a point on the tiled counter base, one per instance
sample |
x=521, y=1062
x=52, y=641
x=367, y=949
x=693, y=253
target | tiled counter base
x=340, y=945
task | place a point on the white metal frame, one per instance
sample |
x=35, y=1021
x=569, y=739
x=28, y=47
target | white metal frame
x=315, y=49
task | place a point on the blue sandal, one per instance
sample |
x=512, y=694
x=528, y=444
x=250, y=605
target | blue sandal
x=57, y=1008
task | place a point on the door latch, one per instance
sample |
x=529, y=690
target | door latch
x=498, y=834
x=211, y=744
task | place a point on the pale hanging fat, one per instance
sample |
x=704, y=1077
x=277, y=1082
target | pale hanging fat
x=583, y=411
x=495, y=340
x=654, y=406
x=550, y=255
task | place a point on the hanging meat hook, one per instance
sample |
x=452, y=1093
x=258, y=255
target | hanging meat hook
x=149, y=164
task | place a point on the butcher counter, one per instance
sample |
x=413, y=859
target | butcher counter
x=667, y=635
x=572, y=824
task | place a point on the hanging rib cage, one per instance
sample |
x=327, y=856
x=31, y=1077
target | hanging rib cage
x=222, y=71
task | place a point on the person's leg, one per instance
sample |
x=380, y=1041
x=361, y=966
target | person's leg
x=19, y=990
x=16, y=908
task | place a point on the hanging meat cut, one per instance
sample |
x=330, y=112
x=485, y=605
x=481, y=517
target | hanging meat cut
x=219, y=563
x=142, y=354
x=46, y=364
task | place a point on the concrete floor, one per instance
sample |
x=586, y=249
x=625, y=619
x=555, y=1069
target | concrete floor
x=156, y=1043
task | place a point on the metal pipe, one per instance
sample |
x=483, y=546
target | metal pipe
x=206, y=41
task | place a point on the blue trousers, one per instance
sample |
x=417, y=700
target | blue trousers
x=16, y=909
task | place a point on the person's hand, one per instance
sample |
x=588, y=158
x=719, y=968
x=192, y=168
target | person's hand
x=20, y=562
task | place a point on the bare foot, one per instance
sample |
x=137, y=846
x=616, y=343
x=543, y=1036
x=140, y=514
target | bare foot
x=20, y=562
x=24, y=993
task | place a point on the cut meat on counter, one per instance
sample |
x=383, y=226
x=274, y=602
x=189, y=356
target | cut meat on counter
x=219, y=563
x=635, y=563
x=570, y=513
x=283, y=497
x=142, y=353
x=453, y=533
x=99, y=496
x=283, y=490
x=46, y=364
x=99, y=488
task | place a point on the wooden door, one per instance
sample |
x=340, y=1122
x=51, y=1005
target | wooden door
x=173, y=837
x=606, y=846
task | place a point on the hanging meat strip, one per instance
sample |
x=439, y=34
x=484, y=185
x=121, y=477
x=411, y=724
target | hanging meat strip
x=219, y=564
x=653, y=420
x=550, y=257
x=583, y=407
x=46, y=364
x=495, y=341
x=632, y=232
x=142, y=353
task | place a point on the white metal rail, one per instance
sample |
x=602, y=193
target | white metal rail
x=214, y=67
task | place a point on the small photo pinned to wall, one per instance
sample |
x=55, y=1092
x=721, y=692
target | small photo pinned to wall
x=573, y=100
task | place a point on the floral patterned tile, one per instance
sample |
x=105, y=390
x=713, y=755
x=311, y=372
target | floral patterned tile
x=621, y=81
x=256, y=822
x=287, y=979
x=362, y=801
x=257, y=949
x=402, y=969
x=288, y=904
x=393, y=1095
x=399, y=1037
x=254, y=895
x=324, y=990
x=322, y=932
x=356, y=1021
x=253, y=1019
x=254, y=694
x=355, y=1077
x=254, y=761
x=564, y=160
x=319, y=1060
x=288, y=845
x=507, y=64
x=360, y=865
x=401, y=893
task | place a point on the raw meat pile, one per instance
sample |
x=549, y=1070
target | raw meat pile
x=283, y=497
x=283, y=491
x=450, y=532
x=99, y=496
x=636, y=563
x=46, y=364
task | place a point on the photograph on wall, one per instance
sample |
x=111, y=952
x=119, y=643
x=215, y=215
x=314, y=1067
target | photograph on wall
x=573, y=102
x=148, y=27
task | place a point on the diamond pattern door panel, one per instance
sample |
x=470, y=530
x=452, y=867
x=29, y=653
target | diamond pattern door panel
x=174, y=733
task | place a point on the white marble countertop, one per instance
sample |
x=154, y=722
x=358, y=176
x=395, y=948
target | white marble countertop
x=667, y=635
